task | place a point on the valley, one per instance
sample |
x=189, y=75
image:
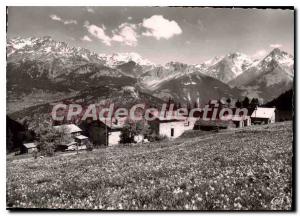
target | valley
x=42, y=71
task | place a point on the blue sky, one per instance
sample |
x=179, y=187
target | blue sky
x=160, y=34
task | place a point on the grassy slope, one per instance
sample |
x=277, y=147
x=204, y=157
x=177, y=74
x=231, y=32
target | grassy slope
x=240, y=169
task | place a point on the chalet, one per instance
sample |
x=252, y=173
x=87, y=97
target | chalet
x=71, y=129
x=171, y=126
x=78, y=140
x=102, y=133
x=29, y=147
x=233, y=119
x=263, y=115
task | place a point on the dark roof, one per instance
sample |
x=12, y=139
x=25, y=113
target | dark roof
x=169, y=120
x=218, y=122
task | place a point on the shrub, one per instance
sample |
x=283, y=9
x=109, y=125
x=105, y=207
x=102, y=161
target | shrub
x=161, y=137
x=131, y=129
x=89, y=146
x=127, y=134
x=48, y=149
x=156, y=137
x=35, y=154
x=49, y=138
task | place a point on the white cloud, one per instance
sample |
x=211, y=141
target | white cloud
x=86, y=38
x=126, y=33
x=67, y=22
x=90, y=10
x=55, y=17
x=156, y=26
x=98, y=32
x=159, y=27
x=259, y=53
x=59, y=19
x=275, y=45
x=129, y=18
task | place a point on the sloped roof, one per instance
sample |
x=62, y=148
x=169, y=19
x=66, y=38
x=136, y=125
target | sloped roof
x=263, y=112
x=81, y=137
x=70, y=128
x=30, y=145
x=71, y=143
x=218, y=123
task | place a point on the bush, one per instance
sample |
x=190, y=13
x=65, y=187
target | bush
x=48, y=149
x=35, y=154
x=155, y=137
x=89, y=146
x=127, y=134
x=161, y=137
x=49, y=138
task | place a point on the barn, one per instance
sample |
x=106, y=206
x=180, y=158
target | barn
x=72, y=129
x=263, y=115
x=29, y=147
x=169, y=127
x=102, y=133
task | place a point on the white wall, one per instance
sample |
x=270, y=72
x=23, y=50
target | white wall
x=165, y=128
x=114, y=138
x=273, y=118
x=190, y=123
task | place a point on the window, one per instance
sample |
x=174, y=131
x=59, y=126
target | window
x=172, y=132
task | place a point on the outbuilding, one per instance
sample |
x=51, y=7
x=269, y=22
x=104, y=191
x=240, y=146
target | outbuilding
x=171, y=128
x=29, y=147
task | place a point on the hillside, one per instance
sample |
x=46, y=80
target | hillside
x=285, y=105
x=247, y=169
x=125, y=97
x=195, y=87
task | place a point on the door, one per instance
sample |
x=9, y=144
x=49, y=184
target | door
x=172, y=132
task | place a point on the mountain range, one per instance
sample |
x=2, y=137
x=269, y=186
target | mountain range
x=42, y=70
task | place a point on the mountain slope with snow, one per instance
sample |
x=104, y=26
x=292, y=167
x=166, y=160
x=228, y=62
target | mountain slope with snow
x=229, y=67
x=43, y=66
x=275, y=58
x=269, y=78
x=195, y=87
x=116, y=59
x=155, y=77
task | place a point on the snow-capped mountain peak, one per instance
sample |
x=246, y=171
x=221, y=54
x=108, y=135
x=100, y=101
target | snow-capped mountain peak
x=228, y=67
x=278, y=66
x=120, y=58
x=281, y=57
x=213, y=61
x=47, y=46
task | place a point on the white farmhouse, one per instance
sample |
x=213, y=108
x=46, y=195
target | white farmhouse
x=171, y=127
x=263, y=115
